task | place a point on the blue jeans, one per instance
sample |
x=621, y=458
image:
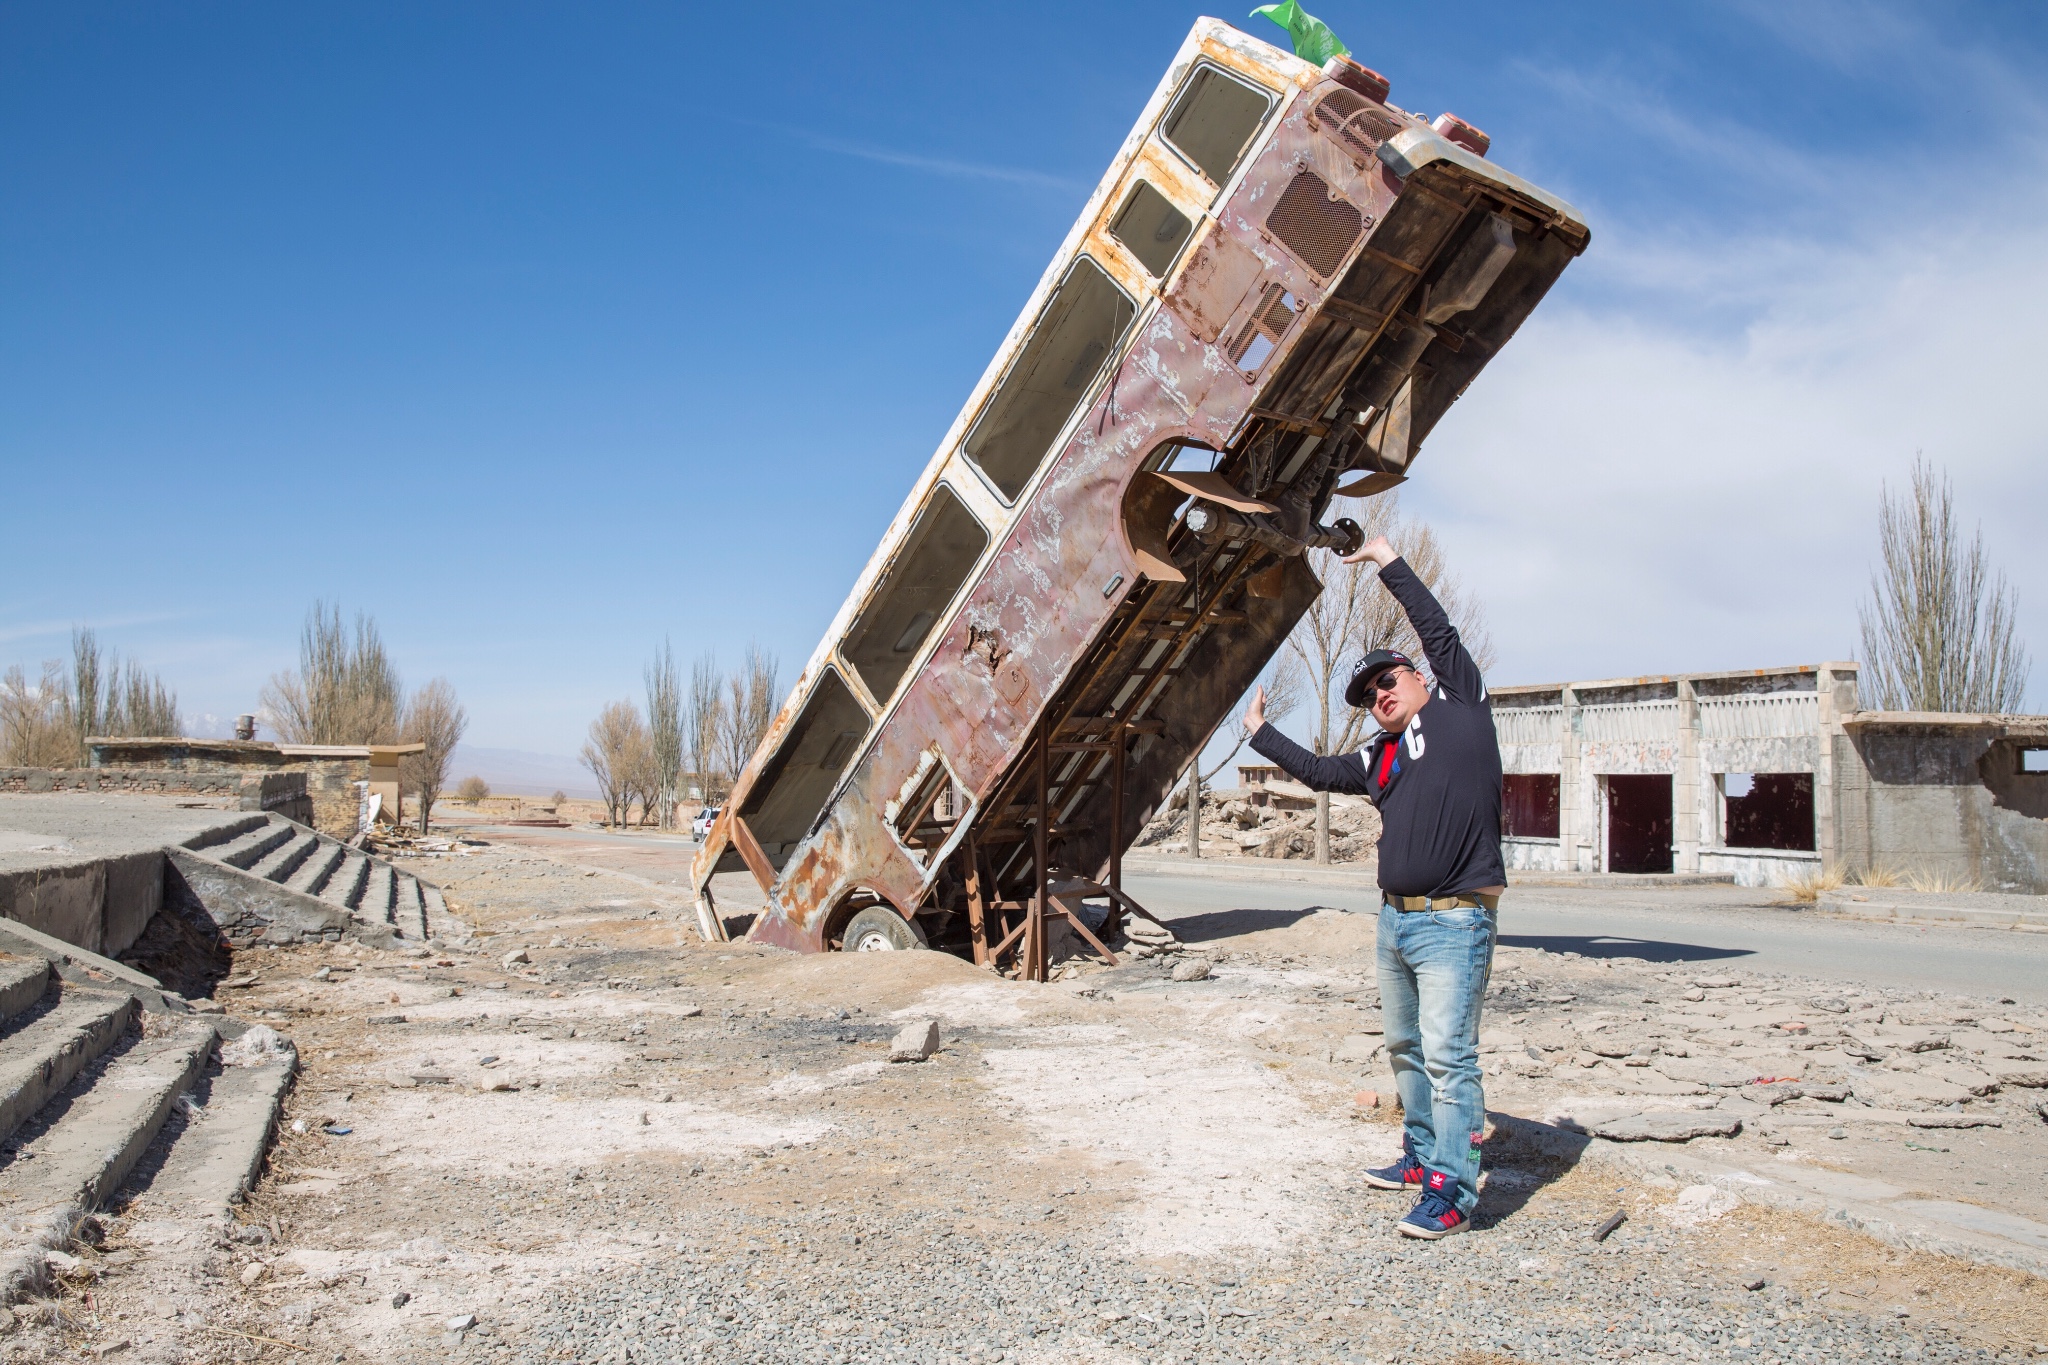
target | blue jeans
x=1433, y=970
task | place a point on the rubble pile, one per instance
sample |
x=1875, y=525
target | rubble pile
x=1632, y=1052
x=1238, y=822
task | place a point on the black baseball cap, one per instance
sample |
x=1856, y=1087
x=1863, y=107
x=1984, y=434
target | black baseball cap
x=1370, y=667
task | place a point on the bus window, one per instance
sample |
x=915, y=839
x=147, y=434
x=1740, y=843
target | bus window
x=792, y=790
x=1152, y=228
x=1214, y=120
x=936, y=558
x=1081, y=327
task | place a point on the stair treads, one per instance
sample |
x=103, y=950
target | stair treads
x=90, y=1149
x=23, y=981
x=216, y=1159
x=41, y=1058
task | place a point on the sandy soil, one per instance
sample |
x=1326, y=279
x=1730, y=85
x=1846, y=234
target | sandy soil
x=479, y=1136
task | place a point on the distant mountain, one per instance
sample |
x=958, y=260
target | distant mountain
x=520, y=772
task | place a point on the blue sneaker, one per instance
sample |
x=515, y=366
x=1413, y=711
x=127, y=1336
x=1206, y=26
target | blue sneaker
x=1405, y=1174
x=1432, y=1217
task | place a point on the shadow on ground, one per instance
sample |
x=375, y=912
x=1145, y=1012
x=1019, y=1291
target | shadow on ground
x=1521, y=1157
x=1215, y=924
x=1613, y=945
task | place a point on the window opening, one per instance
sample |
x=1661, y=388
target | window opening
x=782, y=807
x=1769, y=810
x=1080, y=329
x=929, y=815
x=942, y=548
x=1152, y=228
x=1214, y=120
x=2034, y=760
x=1260, y=336
x=1529, y=805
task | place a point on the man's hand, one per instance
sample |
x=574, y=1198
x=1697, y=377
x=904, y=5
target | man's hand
x=1255, y=714
x=1376, y=549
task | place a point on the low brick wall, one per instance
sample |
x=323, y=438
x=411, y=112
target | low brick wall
x=284, y=793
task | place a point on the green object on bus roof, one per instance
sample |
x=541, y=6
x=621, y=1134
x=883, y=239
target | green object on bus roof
x=1313, y=41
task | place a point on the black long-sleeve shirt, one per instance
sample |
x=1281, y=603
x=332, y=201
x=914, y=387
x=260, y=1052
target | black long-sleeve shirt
x=1440, y=799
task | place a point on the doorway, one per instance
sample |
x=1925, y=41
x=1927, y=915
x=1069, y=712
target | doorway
x=1639, y=823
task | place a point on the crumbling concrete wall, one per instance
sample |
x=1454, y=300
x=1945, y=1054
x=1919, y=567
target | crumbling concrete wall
x=318, y=791
x=1944, y=797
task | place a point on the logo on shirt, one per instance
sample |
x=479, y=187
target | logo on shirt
x=1413, y=739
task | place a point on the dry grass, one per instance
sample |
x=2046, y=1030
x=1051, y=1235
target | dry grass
x=1944, y=883
x=1877, y=877
x=1809, y=887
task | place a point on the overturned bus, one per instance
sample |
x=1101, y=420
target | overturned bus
x=1281, y=284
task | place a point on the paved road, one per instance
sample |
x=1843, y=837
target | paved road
x=1705, y=925
x=1712, y=926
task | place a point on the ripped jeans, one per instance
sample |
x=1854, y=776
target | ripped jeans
x=1433, y=969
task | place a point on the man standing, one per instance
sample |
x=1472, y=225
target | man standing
x=1434, y=773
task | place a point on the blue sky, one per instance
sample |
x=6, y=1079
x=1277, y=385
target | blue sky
x=542, y=333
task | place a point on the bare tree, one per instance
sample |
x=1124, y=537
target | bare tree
x=109, y=698
x=1939, y=629
x=611, y=755
x=703, y=718
x=34, y=732
x=1283, y=693
x=472, y=789
x=344, y=691
x=436, y=719
x=1354, y=616
x=665, y=734
x=750, y=697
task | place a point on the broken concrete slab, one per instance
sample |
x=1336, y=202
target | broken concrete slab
x=1668, y=1126
x=1706, y=1070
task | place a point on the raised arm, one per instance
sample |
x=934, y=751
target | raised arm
x=1338, y=773
x=1449, y=660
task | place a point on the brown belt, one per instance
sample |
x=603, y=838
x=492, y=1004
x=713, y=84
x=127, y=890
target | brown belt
x=1482, y=902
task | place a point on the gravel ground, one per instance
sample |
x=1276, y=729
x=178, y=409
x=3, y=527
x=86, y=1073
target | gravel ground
x=635, y=1146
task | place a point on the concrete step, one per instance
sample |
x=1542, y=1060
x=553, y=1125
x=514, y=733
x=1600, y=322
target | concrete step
x=251, y=847
x=318, y=866
x=410, y=911
x=380, y=894
x=23, y=982
x=345, y=887
x=42, y=1056
x=437, y=917
x=279, y=864
x=216, y=1156
x=88, y=1145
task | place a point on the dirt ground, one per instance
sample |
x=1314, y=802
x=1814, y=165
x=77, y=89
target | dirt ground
x=580, y=1133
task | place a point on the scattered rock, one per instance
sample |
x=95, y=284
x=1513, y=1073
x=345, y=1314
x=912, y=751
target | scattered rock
x=1191, y=969
x=460, y=1323
x=258, y=1046
x=914, y=1042
x=516, y=957
x=253, y=1274
x=400, y=1299
x=1829, y=1004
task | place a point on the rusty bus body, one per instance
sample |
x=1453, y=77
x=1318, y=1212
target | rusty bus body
x=1278, y=288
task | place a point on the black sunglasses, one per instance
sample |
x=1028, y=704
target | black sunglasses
x=1384, y=681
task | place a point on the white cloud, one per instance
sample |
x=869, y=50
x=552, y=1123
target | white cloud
x=1632, y=495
